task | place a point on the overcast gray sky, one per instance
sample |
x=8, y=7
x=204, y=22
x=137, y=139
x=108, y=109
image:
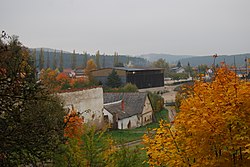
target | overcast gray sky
x=194, y=27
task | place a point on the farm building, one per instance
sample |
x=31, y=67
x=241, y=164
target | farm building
x=142, y=78
x=127, y=110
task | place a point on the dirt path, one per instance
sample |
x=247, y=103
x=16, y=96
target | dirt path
x=131, y=143
x=171, y=113
x=170, y=97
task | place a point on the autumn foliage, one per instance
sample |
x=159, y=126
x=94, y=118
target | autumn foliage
x=90, y=66
x=212, y=128
x=56, y=81
x=74, y=125
x=48, y=78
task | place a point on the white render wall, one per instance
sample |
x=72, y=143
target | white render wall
x=110, y=116
x=147, y=113
x=123, y=124
x=88, y=102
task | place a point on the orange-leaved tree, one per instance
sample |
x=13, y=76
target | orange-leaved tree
x=212, y=128
x=74, y=125
x=73, y=131
x=48, y=78
x=86, y=146
x=63, y=81
x=78, y=82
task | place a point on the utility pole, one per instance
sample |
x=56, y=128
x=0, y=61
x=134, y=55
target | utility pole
x=103, y=60
x=214, y=56
x=235, y=69
x=246, y=59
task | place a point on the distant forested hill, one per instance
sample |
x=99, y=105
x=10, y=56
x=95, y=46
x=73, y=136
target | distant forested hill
x=168, y=57
x=105, y=60
x=208, y=60
x=141, y=61
x=197, y=60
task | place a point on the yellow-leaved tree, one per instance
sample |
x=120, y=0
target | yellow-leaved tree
x=90, y=66
x=212, y=128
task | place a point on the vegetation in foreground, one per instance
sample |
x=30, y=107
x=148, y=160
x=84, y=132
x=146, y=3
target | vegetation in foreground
x=211, y=129
x=35, y=129
x=31, y=119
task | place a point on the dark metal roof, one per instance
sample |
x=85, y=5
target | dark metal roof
x=130, y=69
x=133, y=103
x=136, y=69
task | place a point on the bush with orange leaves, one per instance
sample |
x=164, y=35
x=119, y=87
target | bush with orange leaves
x=48, y=78
x=56, y=81
x=74, y=125
x=85, y=146
x=63, y=81
x=211, y=129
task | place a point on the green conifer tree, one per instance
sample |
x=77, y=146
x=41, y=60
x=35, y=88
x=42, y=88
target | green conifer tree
x=85, y=59
x=61, y=61
x=48, y=60
x=113, y=80
x=115, y=59
x=103, y=61
x=97, y=56
x=128, y=59
x=73, y=60
x=178, y=64
x=41, y=59
x=54, y=60
x=34, y=57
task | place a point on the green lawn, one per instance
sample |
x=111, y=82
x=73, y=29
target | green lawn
x=124, y=136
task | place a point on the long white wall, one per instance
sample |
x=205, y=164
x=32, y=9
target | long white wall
x=88, y=102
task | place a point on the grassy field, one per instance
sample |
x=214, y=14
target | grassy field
x=135, y=153
x=128, y=135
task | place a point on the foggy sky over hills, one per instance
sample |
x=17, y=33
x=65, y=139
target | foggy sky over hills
x=131, y=27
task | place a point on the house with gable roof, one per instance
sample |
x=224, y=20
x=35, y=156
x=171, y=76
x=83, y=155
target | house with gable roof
x=127, y=110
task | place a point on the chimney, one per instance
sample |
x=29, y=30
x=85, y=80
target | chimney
x=123, y=106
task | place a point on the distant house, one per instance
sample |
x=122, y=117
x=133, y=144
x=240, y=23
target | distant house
x=79, y=72
x=69, y=72
x=141, y=77
x=127, y=110
x=178, y=69
x=76, y=73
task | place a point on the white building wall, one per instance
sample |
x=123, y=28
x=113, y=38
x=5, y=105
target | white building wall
x=180, y=70
x=110, y=116
x=123, y=124
x=147, y=113
x=88, y=102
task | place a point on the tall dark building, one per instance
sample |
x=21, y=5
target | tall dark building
x=141, y=77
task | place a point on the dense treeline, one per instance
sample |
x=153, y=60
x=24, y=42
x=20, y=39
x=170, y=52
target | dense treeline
x=104, y=61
